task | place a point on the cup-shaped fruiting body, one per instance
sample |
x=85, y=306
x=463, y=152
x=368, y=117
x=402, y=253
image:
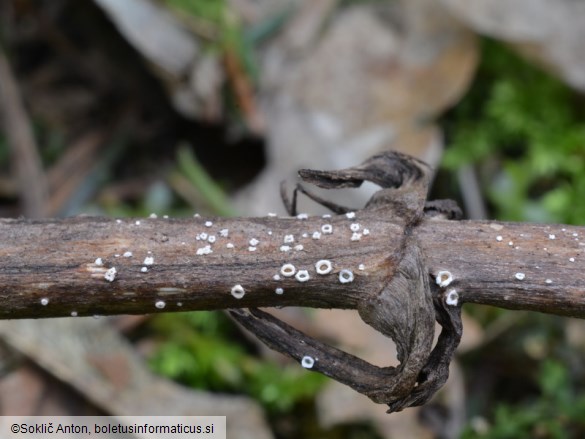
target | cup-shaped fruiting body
x=307, y=362
x=345, y=276
x=323, y=266
x=520, y=276
x=160, y=304
x=444, y=278
x=452, y=298
x=327, y=229
x=288, y=270
x=279, y=290
x=44, y=301
x=302, y=276
x=110, y=275
x=238, y=291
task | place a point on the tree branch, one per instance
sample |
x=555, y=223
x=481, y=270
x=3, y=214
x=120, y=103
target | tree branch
x=55, y=260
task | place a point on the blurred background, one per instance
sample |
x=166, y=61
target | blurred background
x=131, y=107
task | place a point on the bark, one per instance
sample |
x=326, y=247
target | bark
x=55, y=260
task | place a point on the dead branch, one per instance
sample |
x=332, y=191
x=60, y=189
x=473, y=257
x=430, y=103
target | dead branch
x=55, y=260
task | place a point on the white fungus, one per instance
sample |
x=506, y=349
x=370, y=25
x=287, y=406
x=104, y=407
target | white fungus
x=354, y=227
x=99, y=261
x=571, y=259
x=305, y=235
x=323, y=266
x=361, y=267
x=299, y=247
x=276, y=277
x=452, y=298
x=444, y=278
x=149, y=260
x=211, y=239
x=73, y=313
x=551, y=236
x=251, y=249
x=127, y=254
x=327, y=229
x=366, y=232
x=238, y=291
x=288, y=239
x=110, y=275
x=160, y=304
x=288, y=270
x=254, y=242
x=271, y=214
x=356, y=236
x=345, y=276
x=44, y=301
x=179, y=304
x=229, y=245
x=520, y=276
x=208, y=223
x=350, y=215
x=285, y=248
x=279, y=290
x=327, y=215
x=118, y=221
x=307, y=362
x=499, y=238
x=302, y=216
x=316, y=235
x=548, y=281
x=153, y=216
x=165, y=216
x=137, y=223
x=224, y=233
x=144, y=269
x=204, y=250
x=302, y=276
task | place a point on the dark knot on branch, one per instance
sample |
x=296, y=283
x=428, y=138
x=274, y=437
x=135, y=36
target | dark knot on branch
x=405, y=309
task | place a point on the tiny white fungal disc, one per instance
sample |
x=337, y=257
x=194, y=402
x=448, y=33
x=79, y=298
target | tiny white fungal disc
x=160, y=304
x=548, y=281
x=224, y=233
x=571, y=259
x=302, y=276
x=211, y=239
x=354, y=227
x=289, y=238
x=299, y=247
x=73, y=313
x=350, y=215
x=361, y=267
x=251, y=249
x=238, y=291
x=202, y=236
x=144, y=269
x=179, y=304
x=327, y=229
x=499, y=238
x=276, y=277
x=229, y=245
x=307, y=362
x=153, y=215
x=204, y=250
x=272, y=215
x=288, y=270
x=520, y=276
x=254, y=242
x=327, y=215
x=366, y=232
x=165, y=216
x=44, y=301
x=110, y=275
x=452, y=298
x=149, y=260
x=127, y=254
x=284, y=248
x=345, y=276
x=279, y=290
x=99, y=261
x=208, y=223
x=118, y=221
x=444, y=278
x=323, y=266
x=305, y=235
x=302, y=216
x=316, y=235
x=551, y=236
x=356, y=236
x=137, y=223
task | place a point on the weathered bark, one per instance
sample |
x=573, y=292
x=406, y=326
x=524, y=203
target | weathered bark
x=55, y=260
